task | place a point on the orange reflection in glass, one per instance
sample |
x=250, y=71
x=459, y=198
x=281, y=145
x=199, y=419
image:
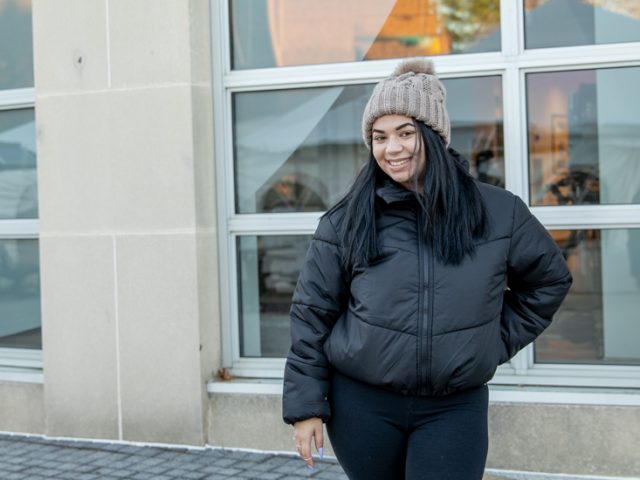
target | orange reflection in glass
x=303, y=32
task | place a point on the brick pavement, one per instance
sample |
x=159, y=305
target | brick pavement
x=37, y=458
x=24, y=457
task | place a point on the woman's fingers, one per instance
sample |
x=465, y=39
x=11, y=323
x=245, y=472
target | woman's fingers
x=303, y=447
x=303, y=433
x=319, y=438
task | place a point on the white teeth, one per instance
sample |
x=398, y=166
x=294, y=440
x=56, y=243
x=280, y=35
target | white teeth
x=395, y=163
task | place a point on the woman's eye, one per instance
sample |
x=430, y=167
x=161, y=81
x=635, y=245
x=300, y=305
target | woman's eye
x=378, y=138
x=406, y=133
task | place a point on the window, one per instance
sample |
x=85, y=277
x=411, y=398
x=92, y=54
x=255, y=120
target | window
x=598, y=322
x=555, y=125
x=565, y=23
x=20, y=334
x=583, y=136
x=292, y=32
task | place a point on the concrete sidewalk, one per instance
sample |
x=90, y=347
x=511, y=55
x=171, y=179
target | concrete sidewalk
x=25, y=457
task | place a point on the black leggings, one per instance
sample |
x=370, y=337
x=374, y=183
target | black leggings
x=383, y=435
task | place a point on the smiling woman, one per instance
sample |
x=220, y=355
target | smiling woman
x=400, y=315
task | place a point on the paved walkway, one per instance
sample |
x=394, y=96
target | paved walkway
x=36, y=458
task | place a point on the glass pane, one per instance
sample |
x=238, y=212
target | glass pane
x=276, y=33
x=475, y=110
x=16, y=45
x=598, y=323
x=299, y=150
x=584, y=136
x=268, y=268
x=19, y=294
x=18, y=182
x=564, y=23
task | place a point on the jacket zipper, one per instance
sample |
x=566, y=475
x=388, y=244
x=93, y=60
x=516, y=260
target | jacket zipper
x=424, y=383
x=420, y=305
x=429, y=339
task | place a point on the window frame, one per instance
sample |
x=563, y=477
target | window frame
x=512, y=63
x=19, y=364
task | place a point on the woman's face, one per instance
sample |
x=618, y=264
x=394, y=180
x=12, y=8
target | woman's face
x=397, y=146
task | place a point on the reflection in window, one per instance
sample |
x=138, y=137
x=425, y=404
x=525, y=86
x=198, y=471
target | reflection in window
x=268, y=268
x=299, y=150
x=19, y=294
x=584, y=137
x=275, y=33
x=16, y=45
x=564, y=23
x=475, y=110
x=18, y=182
x=598, y=322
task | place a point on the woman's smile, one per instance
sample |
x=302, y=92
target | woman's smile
x=398, y=163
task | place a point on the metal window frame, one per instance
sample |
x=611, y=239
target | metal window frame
x=19, y=364
x=513, y=63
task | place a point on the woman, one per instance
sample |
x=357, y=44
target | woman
x=416, y=286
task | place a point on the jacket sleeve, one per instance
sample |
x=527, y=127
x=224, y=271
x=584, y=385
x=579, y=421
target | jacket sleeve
x=320, y=297
x=538, y=279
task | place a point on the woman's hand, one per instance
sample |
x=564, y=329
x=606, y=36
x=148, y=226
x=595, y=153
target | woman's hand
x=303, y=432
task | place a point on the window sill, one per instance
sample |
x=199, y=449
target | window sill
x=21, y=375
x=497, y=393
x=246, y=385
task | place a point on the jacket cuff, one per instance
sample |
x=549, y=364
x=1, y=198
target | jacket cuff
x=292, y=414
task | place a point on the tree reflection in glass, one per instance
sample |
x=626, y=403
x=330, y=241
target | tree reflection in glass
x=276, y=33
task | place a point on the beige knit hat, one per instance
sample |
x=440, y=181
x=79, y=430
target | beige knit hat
x=412, y=90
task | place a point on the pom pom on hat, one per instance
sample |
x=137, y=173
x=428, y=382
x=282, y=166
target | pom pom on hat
x=414, y=65
x=413, y=90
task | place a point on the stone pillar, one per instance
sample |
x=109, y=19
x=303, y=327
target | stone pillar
x=127, y=217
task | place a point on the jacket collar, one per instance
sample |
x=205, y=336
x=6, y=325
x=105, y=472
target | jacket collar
x=392, y=192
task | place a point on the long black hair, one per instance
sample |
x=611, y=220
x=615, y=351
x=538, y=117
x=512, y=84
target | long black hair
x=454, y=214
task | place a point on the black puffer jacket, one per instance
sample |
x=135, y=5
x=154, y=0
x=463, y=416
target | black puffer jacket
x=409, y=323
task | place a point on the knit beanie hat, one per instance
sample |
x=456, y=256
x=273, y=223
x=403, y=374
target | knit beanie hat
x=412, y=90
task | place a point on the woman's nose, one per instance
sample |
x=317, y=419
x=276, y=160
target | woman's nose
x=394, y=145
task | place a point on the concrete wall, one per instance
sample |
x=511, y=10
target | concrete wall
x=568, y=439
x=127, y=217
x=21, y=407
x=574, y=439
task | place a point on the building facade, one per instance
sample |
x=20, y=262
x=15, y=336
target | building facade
x=163, y=164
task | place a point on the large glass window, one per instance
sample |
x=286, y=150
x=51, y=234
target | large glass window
x=19, y=260
x=558, y=127
x=598, y=323
x=276, y=33
x=564, y=23
x=297, y=151
x=584, y=136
